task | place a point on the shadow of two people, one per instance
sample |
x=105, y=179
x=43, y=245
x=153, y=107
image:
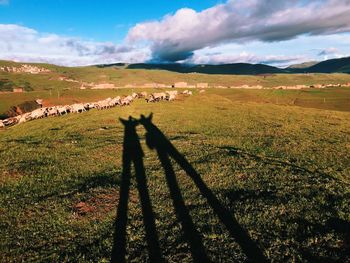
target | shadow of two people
x=132, y=153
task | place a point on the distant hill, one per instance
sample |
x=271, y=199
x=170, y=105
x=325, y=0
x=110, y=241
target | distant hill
x=339, y=65
x=303, y=65
x=226, y=69
x=118, y=65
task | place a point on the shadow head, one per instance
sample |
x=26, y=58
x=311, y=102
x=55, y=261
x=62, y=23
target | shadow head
x=147, y=123
x=130, y=122
x=146, y=120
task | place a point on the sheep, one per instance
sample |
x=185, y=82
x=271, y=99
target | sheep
x=82, y=107
x=37, y=114
x=159, y=96
x=23, y=118
x=150, y=99
x=52, y=111
x=89, y=106
x=10, y=121
x=61, y=110
x=115, y=101
x=126, y=101
x=142, y=94
x=187, y=92
x=171, y=95
x=78, y=108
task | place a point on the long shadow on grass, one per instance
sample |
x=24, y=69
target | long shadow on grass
x=132, y=153
x=157, y=140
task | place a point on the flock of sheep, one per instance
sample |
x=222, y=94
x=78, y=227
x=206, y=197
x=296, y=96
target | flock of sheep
x=82, y=107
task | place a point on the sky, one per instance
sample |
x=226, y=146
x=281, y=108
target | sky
x=81, y=32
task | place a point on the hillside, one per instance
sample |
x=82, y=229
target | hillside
x=274, y=168
x=63, y=78
x=303, y=65
x=341, y=65
x=225, y=69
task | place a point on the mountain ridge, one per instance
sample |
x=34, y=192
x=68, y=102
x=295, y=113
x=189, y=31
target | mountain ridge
x=341, y=65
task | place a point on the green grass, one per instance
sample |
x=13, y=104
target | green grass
x=330, y=98
x=281, y=170
x=122, y=77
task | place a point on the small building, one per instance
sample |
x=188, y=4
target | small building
x=150, y=85
x=104, y=86
x=17, y=90
x=180, y=84
x=161, y=85
x=202, y=85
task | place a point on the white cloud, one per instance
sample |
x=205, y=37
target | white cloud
x=177, y=36
x=231, y=53
x=329, y=51
x=4, y=2
x=27, y=45
x=210, y=57
x=238, y=31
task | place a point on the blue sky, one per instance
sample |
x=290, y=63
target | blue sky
x=78, y=32
x=100, y=20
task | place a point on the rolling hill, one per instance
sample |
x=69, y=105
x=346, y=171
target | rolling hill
x=341, y=65
x=303, y=65
x=226, y=69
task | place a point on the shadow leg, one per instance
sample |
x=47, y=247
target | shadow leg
x=147, y=211
x=191, y=234
x=248, y=246
x=119, y=244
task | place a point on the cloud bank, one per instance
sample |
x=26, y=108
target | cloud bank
x=274, y=32
x=20, y=43
x=176, y=37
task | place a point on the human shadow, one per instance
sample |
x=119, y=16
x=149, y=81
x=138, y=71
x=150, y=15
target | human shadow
x=191, y=234
x=132, y=153
x=157, y=140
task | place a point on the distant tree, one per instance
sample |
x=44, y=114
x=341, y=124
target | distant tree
x=6, y=85
x=25, y=85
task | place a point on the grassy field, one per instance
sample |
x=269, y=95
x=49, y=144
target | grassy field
x=121, y=77
x=330, y=98
x=264, y=177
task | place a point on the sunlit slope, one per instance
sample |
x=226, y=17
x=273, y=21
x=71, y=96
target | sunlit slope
x=121, y=76
x=282, y=172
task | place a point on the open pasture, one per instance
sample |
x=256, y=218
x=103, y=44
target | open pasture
x=328, y=98
x=279, y=173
